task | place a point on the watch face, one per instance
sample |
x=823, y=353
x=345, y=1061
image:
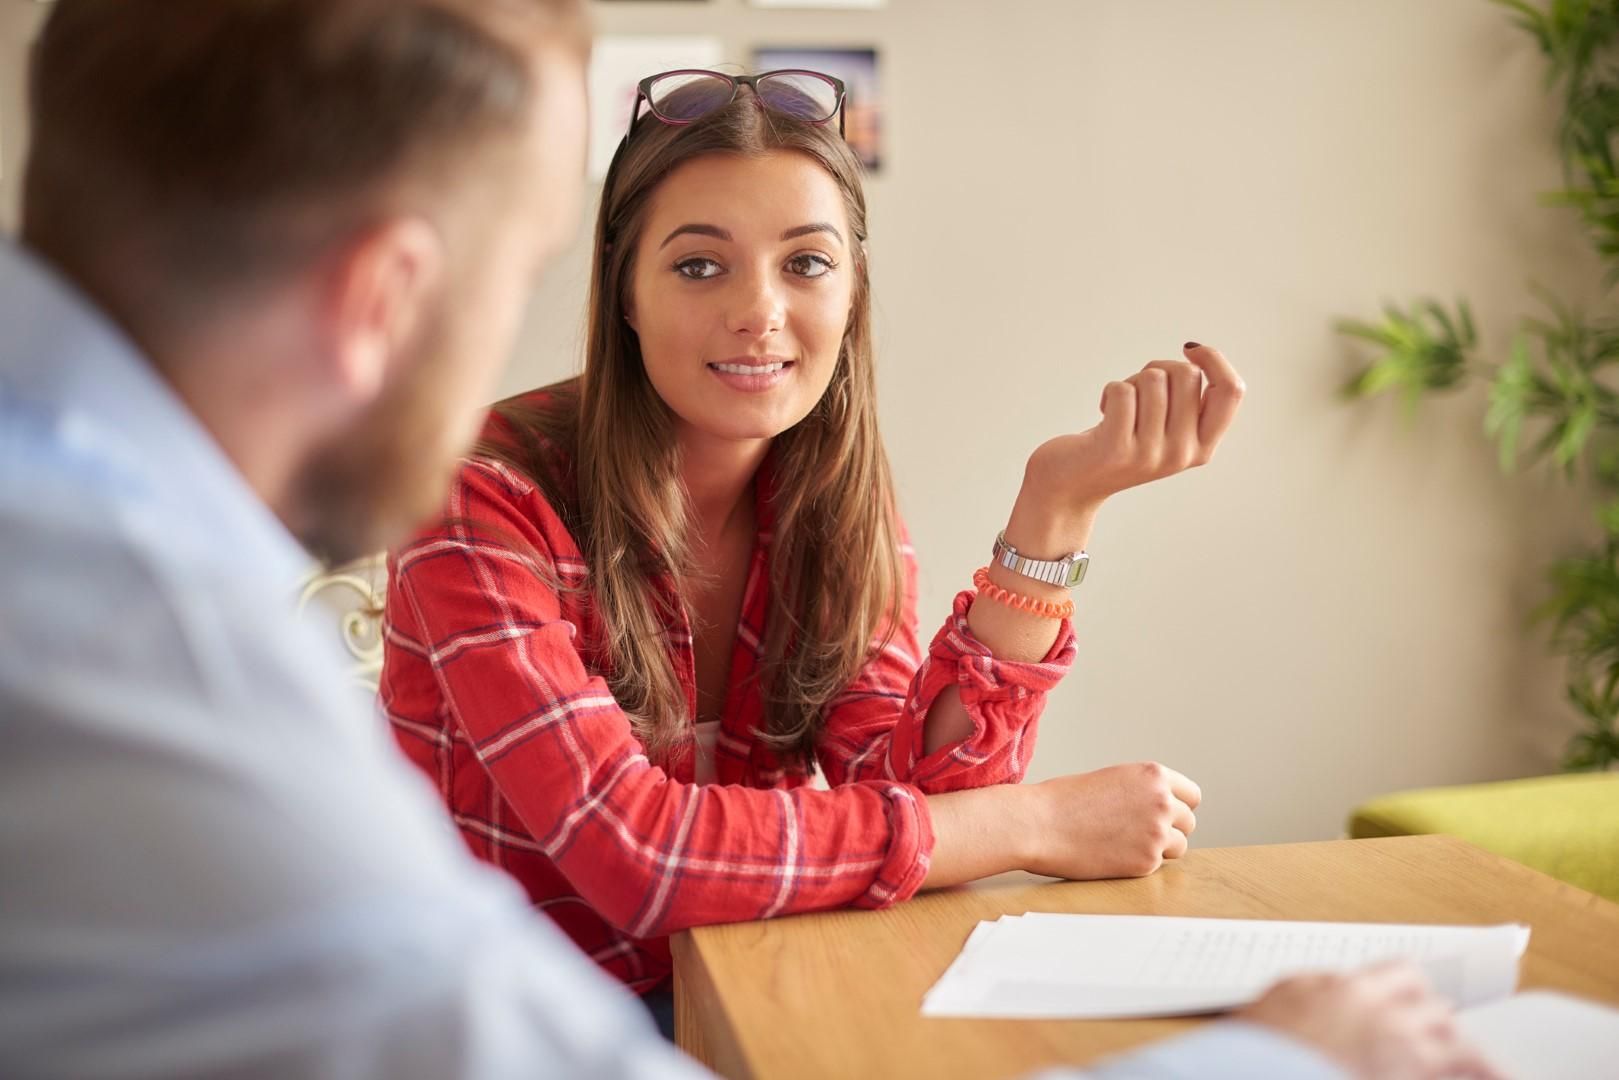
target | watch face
x=1076, y=573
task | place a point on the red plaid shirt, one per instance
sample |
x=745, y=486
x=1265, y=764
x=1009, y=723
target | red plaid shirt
x=493, y=690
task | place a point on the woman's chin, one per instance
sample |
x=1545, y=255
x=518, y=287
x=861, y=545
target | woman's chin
x=748, y=425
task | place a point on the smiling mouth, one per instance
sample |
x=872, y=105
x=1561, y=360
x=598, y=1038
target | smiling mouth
x=752, y=369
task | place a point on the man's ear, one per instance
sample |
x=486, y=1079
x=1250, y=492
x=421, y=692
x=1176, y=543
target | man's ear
x=382, y=286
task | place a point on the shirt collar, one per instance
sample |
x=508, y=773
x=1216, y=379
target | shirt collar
x=65, y=364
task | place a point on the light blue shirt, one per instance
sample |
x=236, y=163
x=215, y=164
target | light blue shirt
x=213, y=861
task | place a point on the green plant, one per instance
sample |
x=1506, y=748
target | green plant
x=1556, y=385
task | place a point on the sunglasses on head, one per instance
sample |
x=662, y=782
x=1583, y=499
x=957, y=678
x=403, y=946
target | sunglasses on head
x=685, y=96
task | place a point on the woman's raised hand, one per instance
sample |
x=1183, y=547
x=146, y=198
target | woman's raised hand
x=1166, y=418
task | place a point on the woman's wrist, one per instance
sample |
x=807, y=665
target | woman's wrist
x=1048, y=528
x=1029, y=810
x=1039, y=530
x=985, y=831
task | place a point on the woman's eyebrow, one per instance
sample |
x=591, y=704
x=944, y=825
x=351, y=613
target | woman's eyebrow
x=806, y=230
x=718, y=233
x=698, y=230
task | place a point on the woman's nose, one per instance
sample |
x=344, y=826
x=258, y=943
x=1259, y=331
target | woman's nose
x=758, y=310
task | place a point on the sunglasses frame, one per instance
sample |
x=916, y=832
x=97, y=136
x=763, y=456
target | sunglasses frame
x=643, y=92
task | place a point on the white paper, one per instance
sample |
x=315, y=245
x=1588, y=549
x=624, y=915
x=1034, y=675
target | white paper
x=1045, y=965
x=1542, y=1035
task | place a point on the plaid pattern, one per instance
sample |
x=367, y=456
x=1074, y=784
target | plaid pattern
x=493, y=690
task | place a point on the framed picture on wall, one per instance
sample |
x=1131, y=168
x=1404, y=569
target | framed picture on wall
x=617, y=64
x=858, y=70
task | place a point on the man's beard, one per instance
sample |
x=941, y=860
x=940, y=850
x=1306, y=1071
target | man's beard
x=367, y=488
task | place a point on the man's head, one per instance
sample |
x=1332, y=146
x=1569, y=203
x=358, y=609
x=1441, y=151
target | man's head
x=318, y=218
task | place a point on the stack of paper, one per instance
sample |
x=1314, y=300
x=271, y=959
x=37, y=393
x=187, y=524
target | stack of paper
x=1049, y=966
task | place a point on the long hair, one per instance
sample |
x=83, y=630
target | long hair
x=836, y=581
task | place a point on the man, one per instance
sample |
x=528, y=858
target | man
x=273, y=254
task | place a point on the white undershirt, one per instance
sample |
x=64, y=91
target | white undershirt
x=708, y=733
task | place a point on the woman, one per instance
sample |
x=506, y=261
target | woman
x=664, y=592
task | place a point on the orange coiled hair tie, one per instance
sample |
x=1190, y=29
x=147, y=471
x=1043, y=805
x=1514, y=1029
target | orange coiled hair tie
x=1045, y=609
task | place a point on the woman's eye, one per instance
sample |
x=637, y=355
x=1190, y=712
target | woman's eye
x=810, y=266
x=697, y=269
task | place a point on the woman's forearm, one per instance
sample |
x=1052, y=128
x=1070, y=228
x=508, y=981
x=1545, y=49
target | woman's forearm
x=1039, y=531
x=1010, y=634
x=981, y=832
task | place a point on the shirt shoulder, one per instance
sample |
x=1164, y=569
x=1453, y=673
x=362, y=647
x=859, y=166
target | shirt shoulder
x=82, y=603
x=517, y=489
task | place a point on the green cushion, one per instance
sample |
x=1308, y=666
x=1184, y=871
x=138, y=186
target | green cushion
x=1565, y=826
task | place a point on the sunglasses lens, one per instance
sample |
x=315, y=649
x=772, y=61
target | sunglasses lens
x=801, y=95
x=684, y=95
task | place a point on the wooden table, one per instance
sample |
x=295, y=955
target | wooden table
x=839, y=994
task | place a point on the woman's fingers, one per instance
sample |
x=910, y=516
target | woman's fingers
x=1118, y=413
x=1183, y=787
x=1185, y=402
x=1152, y=408
x=1163, y=419
x=1182, y=818
x=1222, y=398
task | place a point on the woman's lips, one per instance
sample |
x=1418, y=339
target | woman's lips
x=752, y=375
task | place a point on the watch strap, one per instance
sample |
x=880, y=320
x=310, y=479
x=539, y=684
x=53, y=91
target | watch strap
x=1066, y=572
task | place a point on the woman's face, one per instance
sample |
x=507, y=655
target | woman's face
x=741, y=291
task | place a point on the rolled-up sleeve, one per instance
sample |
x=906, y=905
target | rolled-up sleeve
x=876, y=728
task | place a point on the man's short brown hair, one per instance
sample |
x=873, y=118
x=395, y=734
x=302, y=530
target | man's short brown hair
x=193, y=134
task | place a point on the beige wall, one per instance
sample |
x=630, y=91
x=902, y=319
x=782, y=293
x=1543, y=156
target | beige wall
x=17, y=21
x=1334, y=608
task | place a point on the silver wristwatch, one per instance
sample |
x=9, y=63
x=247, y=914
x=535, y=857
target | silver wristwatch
x=1067, y=571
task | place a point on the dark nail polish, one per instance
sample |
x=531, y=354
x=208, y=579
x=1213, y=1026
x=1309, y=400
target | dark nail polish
x=1191, y=345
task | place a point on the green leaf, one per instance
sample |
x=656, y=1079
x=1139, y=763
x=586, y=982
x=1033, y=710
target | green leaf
x=1376, y=379
x=1606, y=467
x=1575, y=431
x=1424, y=349
x=1509, y=395
x=1608, y=517
x=1469, y=333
